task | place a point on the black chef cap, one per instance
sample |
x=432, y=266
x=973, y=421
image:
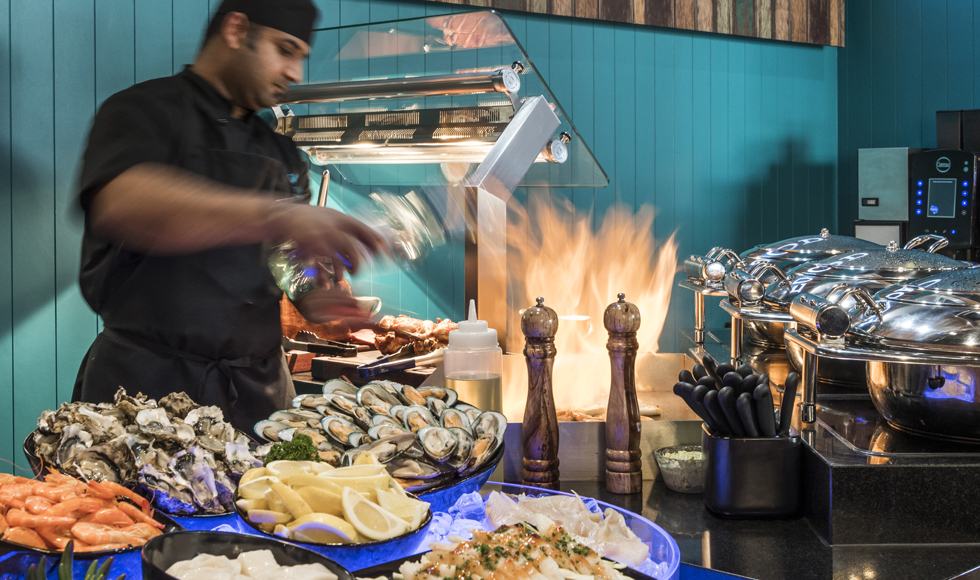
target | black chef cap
x=294, y=17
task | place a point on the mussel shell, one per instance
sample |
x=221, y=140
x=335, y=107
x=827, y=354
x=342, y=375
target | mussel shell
x=490, y=422
x=417, y=417
x=269, y=430
x=471, y=412
x=338, y=429
x=362, y=417
x=315, y=434
x=464, y=448
x=438, y=443
x=454, y=418
x=384, y=430
x=406, y=468
x=339, y=386
x=436, y=406
x=291, y=416
x=398, y=412
x=380, y=419
x=412, y=396
x=444, y=394
x=339, y=403
x=385, y=449
x=484, y=447
x=308, y=401
x=358, y=438
x=367, y=394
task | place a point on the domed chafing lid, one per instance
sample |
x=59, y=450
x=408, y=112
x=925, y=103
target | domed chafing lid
x=890, y=260
x=940, y=312
x=808, y=248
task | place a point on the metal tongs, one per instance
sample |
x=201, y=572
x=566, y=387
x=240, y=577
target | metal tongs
x=397, y=361
x=310, y=342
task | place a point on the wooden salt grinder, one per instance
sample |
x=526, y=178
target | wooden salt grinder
x=624, y=473
x=540, y=430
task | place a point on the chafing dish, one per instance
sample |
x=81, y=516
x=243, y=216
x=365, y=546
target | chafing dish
x=919, y=343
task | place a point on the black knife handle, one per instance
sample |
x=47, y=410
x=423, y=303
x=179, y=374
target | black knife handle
x=714, y=408
x=708, y=382
x=764, y=410
x=699, y=371
x=746, y=412
x=711, y=366
x=724, y=369
x=686, y=376
x=686, y=392
x=733, y=380
x=789, y=402
x=726, y=398
x=745, y=370
x=700, y=392
x=748, y=384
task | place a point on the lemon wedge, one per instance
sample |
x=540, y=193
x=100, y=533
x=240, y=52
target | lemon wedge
x=268, y=517
x=323, y=529
x=257, y=488
x=370, y=519
x=252, y=504
x=282, y=531
x=294, y=503
x=321, y=500
x=253, y=474
x=366, y=458
x=409, y=509
x=356, y=470
x=297, y=480
x=321, y=467
x=284, y=467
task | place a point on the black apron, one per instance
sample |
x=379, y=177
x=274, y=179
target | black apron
x=206, y=323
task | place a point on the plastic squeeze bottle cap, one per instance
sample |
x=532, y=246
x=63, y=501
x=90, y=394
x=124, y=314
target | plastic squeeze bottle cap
x=473, y=333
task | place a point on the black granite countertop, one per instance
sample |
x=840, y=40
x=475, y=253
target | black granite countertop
x=779, y=549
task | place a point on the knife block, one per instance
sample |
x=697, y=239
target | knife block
x=752, y=477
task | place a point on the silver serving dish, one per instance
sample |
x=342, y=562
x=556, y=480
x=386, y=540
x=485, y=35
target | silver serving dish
x=919, y=343
x=792, y=252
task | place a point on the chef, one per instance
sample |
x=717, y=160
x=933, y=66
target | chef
x=185, y=189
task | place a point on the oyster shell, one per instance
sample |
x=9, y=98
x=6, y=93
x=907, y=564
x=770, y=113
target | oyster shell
x=178, y=404
x=73, y=441
x=239, y=458
x=203, y=419
x=446, y=395
x=192, y=469
x=155, y=423
x=177, y=500
x=484, y=448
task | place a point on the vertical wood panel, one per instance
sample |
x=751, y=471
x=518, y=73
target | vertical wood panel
x=803, y=201
x=781, y=24
x=154, y=39
x=190, y=22
x=74, y=105
x=685, y=14
x=754, y=149
x=743, y=17
x=682, y=310
x=659, y=12
x=834, y=23
x=908, y=74
x=798, y=20
x=883, y=94
x=663, y=191
x=625, y=113
x=7, y=447
x=616, y=10
x=720, y=186
x=651, y=107
x=706, y=15
x=785, y=107
x=604, y=65
x=819, y=22
x=935, y=61
x=32, y=208
x=723, y=16
x=764, y=18
x=959, y=46
x=561, y=7
x=587, y=8
x=734, y=205
x=583, y=105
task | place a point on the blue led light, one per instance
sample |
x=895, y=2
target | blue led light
x=952, y=231
x=933, y=209
x=966, y=194
x=919, y=183
x=918, y=192
x=918, y=212
x=918, y=202
x=963, y=203
x=966, y=184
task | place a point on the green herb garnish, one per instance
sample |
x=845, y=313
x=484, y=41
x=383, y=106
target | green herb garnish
x=301, y=448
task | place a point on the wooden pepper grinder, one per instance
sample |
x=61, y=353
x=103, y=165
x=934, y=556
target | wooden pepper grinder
x=540, y=431
x=624, y=473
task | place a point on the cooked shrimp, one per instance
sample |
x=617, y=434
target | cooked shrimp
x=37, y=504
x=21, y=519
x=102, y=534
x=142, y=531
x=55, y=493
x=56, y=536
x=3, y=525
x=126, y=492
x=110, y=517
x=76, y=506
x=26, y=537
x=83, y=547
x=135, y=513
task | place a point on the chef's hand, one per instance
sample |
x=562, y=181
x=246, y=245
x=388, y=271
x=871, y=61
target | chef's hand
x=321, y=305
x=325, y=233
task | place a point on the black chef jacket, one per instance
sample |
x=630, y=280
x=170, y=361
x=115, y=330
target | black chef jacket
x=206, y=323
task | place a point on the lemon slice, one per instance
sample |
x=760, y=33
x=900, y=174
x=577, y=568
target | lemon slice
x=321, y=500
x=282, y=531
x=321, y=467
x=257, y=488
x=397, y=487
x=252, y=504
x=366, y=458
x=298, y=480
x=268, y=517
x=275, y=504
x=294, y=503
x=323, y=529
x=284, y=467
x=368, y=485
x=253, y=474
x=370, y=519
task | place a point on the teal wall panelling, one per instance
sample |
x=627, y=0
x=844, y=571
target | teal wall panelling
x=713, y=131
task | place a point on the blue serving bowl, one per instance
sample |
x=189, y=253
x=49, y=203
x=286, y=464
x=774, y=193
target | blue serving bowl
x=444, y=496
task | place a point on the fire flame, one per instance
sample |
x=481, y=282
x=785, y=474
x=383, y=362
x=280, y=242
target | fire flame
x=579, y=273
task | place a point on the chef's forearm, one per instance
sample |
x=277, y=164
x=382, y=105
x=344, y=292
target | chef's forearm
x=163, y=210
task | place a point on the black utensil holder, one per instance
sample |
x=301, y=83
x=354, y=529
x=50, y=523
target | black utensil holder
x=752, y=477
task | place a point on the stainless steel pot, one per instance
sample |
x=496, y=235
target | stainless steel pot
x=920, y=347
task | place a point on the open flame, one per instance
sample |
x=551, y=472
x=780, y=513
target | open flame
x=579, y=273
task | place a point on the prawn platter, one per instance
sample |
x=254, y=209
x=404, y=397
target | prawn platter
x=101, y=518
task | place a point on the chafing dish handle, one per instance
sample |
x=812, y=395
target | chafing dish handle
x=939, y=242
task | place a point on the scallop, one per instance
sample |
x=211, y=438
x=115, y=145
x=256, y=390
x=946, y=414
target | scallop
x=490, y=423
x=451, y=418
x=438, y=443
x=418, y=417
x=269, y=430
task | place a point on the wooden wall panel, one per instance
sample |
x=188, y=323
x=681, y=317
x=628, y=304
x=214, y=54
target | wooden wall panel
x=805, y=21
x=702, y=128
